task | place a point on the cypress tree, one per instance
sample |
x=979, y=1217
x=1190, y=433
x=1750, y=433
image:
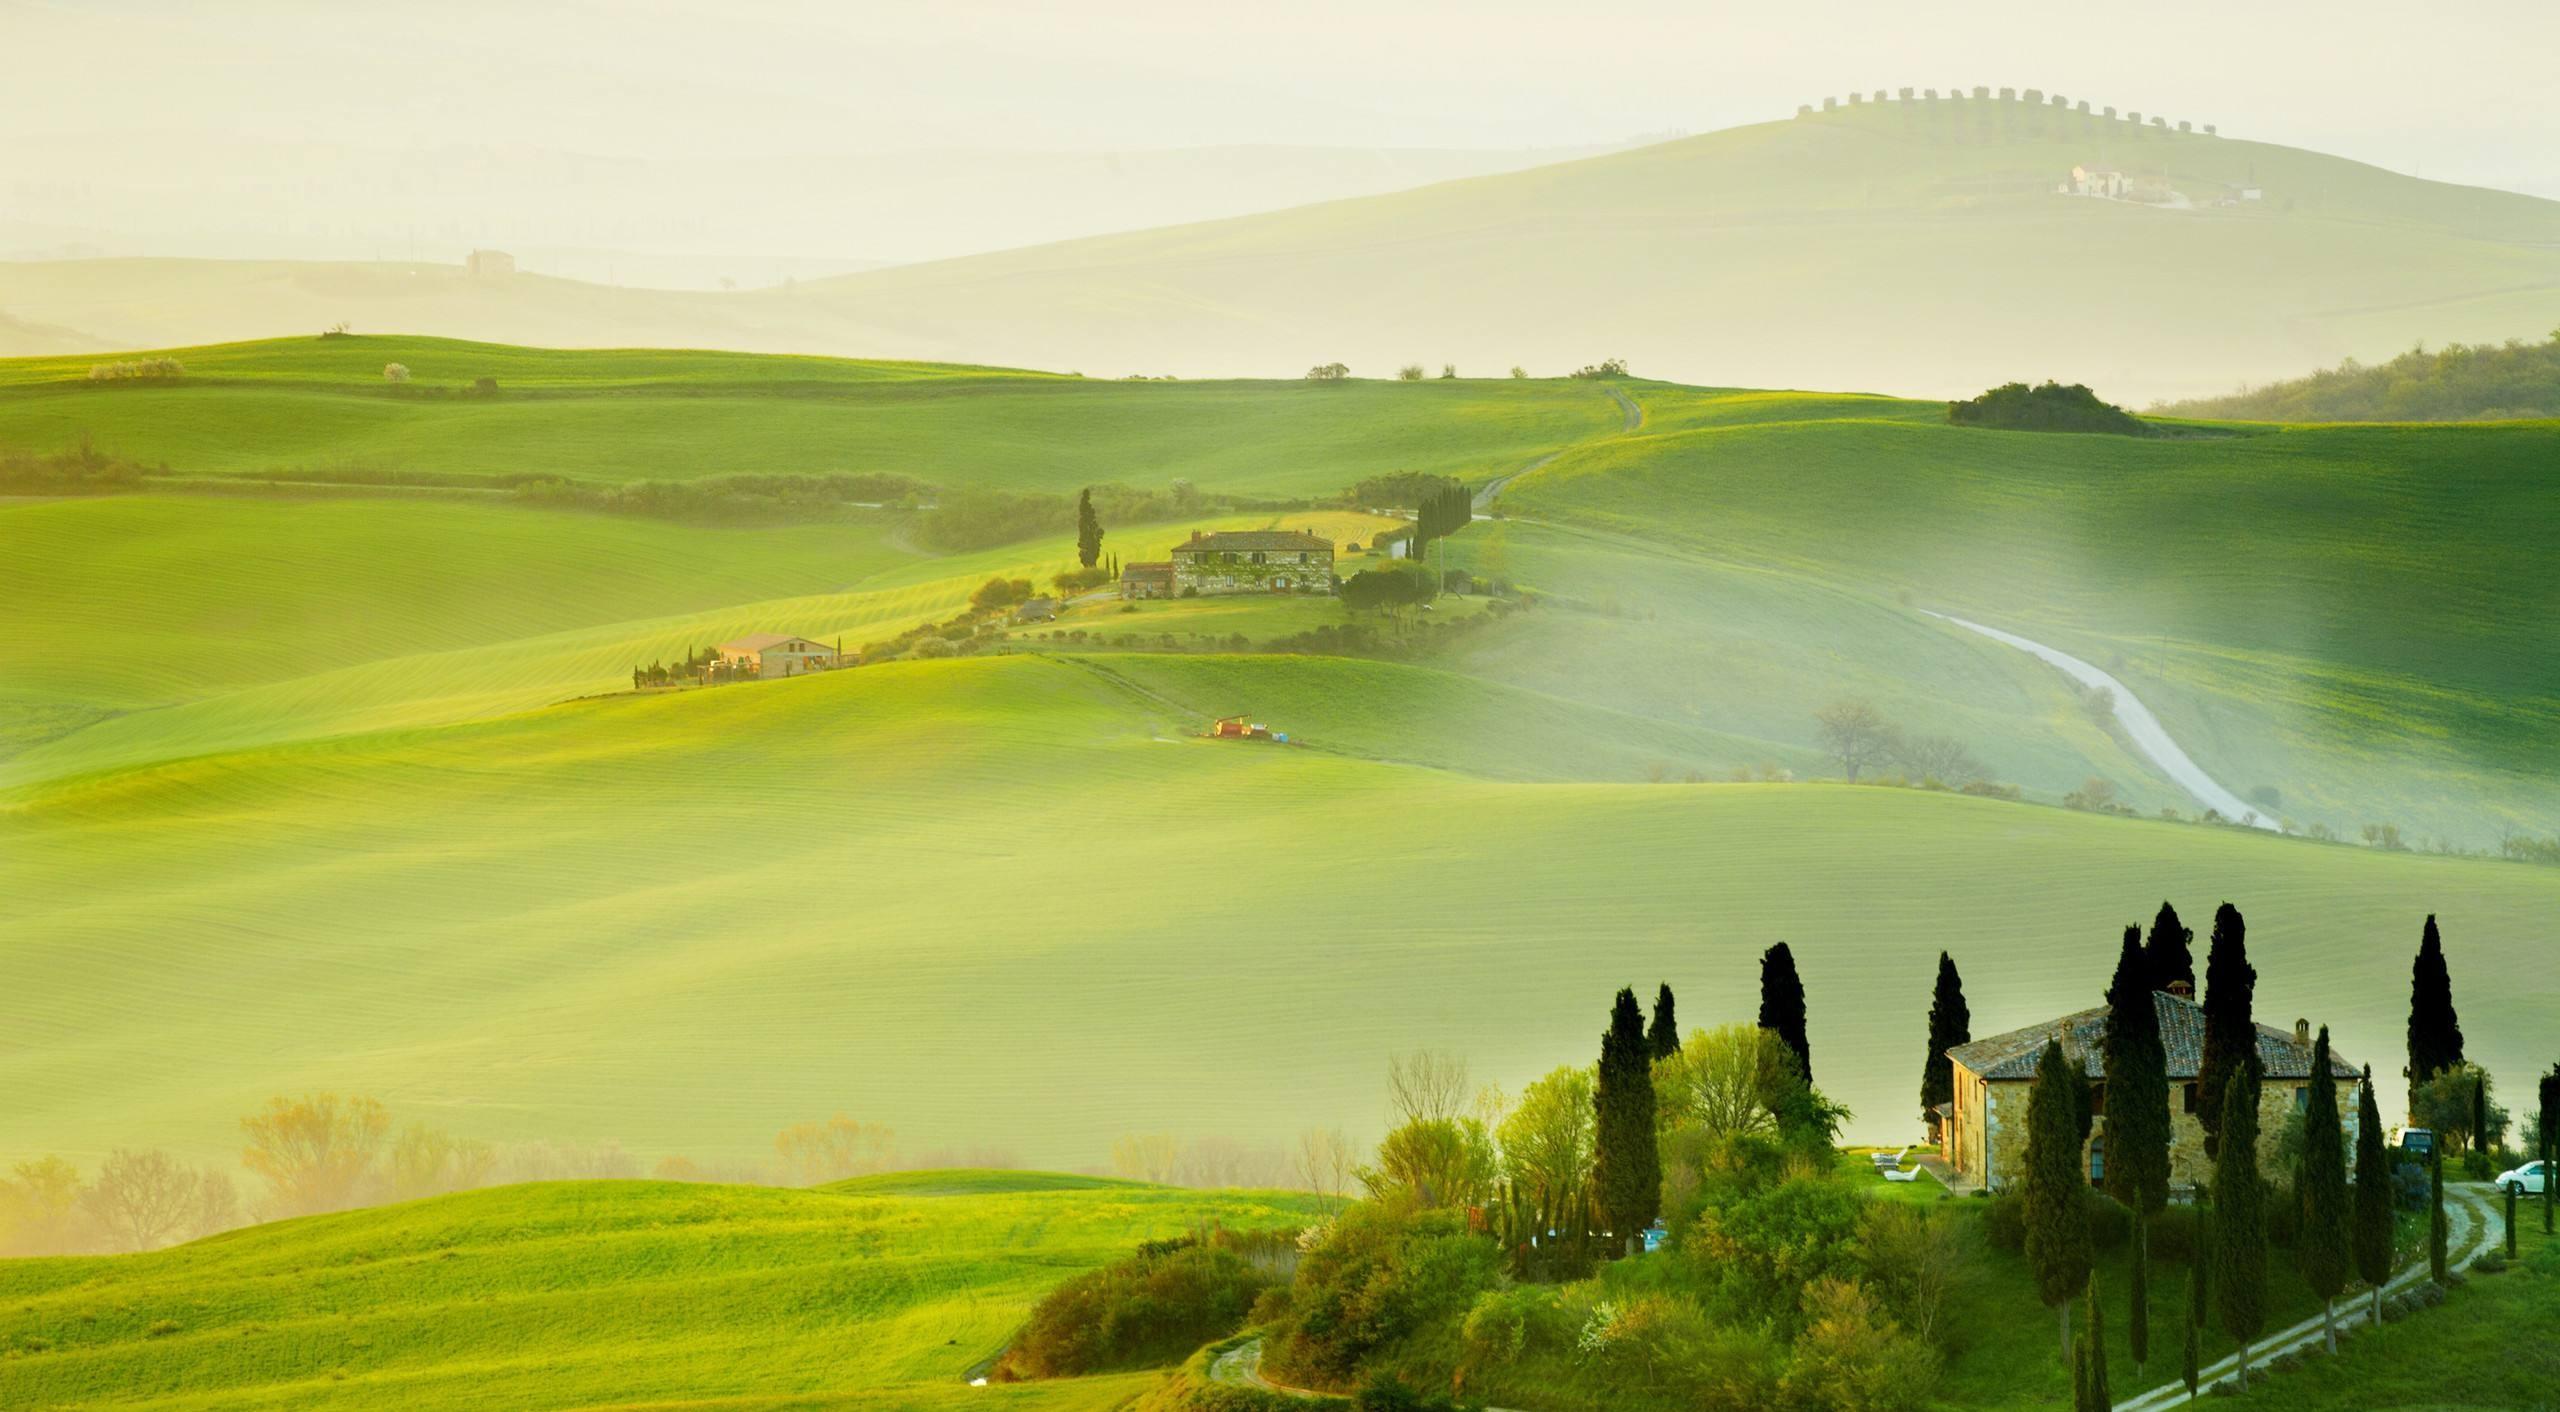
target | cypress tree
x=2136, y=1068
x=1782, y=1004
x=2056, y=1191
x=2198, y=1302
x=1088, y=530
x=2436, y=1232
x=2322, y=1245
x=2435, y=1035
x=1950, y=1024
x=2168, y=953
x=2094, y=1381
x=2240, y=1219
x=1663, y=1040
x=1627, y=1163
x=2549, y=1091
x=2230, y=1027
x=2479, y=1110
x=2372, y=1242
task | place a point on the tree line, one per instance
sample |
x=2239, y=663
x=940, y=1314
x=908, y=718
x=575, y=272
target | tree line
x=2456, y=383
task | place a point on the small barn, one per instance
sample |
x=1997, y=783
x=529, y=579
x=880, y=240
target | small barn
x=1151, y=580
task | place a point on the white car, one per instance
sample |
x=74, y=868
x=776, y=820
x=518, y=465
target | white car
x=2526, y=1180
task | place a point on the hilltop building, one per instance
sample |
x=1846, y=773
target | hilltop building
x=2097, y=181
x=1983, y=1129
x=488, y=264
x=1251, y=561
x=773, y=654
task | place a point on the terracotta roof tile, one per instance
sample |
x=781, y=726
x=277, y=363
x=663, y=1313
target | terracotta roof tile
x=2013, y=1055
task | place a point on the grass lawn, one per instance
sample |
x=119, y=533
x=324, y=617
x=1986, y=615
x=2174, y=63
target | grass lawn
x=879, y=1294
x=2495, y=1343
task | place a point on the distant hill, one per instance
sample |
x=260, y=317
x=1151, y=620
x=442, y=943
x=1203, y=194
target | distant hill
x=2460, y=382
x=1920, y=248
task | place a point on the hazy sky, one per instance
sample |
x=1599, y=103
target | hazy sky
x=2458, y=91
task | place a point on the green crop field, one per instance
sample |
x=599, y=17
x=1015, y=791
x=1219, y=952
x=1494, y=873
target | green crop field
x=874, y=1295
x=316, y=405
x=336, y=791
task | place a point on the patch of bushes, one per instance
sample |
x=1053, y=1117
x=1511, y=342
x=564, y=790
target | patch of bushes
x=2049, y=407
x=1765, y=1250
x=1150, y=1309
x=724, y=500
x=1381, y=1273
x=1386, y=1392
x=139, y=370
x=79, y=470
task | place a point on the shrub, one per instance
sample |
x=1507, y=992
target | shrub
x=1151, y=1308
x=395, y=372
x=2050, y=407
x=1385, y=1392
x=2005, y=1223
x=1380, y=1273
x=2172, y=1234
x=1765, y=1250
x=1852, y=1356
x=1652, y=1345
x=139, y=370
x=2110, y=1222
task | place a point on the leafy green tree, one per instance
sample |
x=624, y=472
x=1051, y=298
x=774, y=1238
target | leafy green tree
x=2056, y=1192
x=2435, y=1034
x=1663, y=1040
x=2322, y=1244
x=1435, y=1163
x=1782, y=1005
x=1628, y=1168
x=2240, y=1218
x=2372, y=1235
x=2168, y=952
x=2230, y=1026
x=1950, y=1024
x=1088, y=530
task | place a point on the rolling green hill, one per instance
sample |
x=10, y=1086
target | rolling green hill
x=872, y=1296
x=320, y=405
x=1914, y=247
x=1006, y=900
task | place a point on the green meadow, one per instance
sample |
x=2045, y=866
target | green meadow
x=874, y=1295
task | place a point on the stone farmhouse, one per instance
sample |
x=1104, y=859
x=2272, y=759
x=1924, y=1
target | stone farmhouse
x=773, y=654
x=1236, y=561
x=1983, y=1129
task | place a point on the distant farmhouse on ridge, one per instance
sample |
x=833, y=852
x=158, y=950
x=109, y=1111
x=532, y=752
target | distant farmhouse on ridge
x=772, y=654
x=1235, y=561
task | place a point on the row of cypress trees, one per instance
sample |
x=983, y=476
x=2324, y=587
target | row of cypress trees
x=2344, y=1231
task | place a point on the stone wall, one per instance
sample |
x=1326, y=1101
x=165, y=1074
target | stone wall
x=2004, y=1131
x=1282, y=571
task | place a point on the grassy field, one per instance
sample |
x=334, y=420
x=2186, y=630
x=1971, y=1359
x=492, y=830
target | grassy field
x=581, y=922
x=319, y=405
x=875, y=1295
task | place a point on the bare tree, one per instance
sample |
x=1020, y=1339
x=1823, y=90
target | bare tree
x=1146, y=1157
x=833, y=1150
x=141, y=1200
x=1323, y=1163
x=1428, y=1085
x=314, y=1152
x=1938, y=757
x=1856, y=734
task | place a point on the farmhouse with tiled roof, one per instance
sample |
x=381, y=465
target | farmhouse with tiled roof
x=1252, y=561
x=1983, y=1128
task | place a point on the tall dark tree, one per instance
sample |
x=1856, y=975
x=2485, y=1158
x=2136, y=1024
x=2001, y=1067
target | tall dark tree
x=2439, y=1235
x=1088, y=530
x=2230, y=1025
x=2168, y=952
x=1950, y=1024
x=2435, y=1035
x=2056, y=1187
x=2240, y=1219
x=2136, y=1069
x=2199, y=1288
x=2549, y=1092
x=1663, y=1040
x=1782, y=1004
x=2322, y=1245
x=2372, y=1235
x=1627, y=1163
x=2091, y=1385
